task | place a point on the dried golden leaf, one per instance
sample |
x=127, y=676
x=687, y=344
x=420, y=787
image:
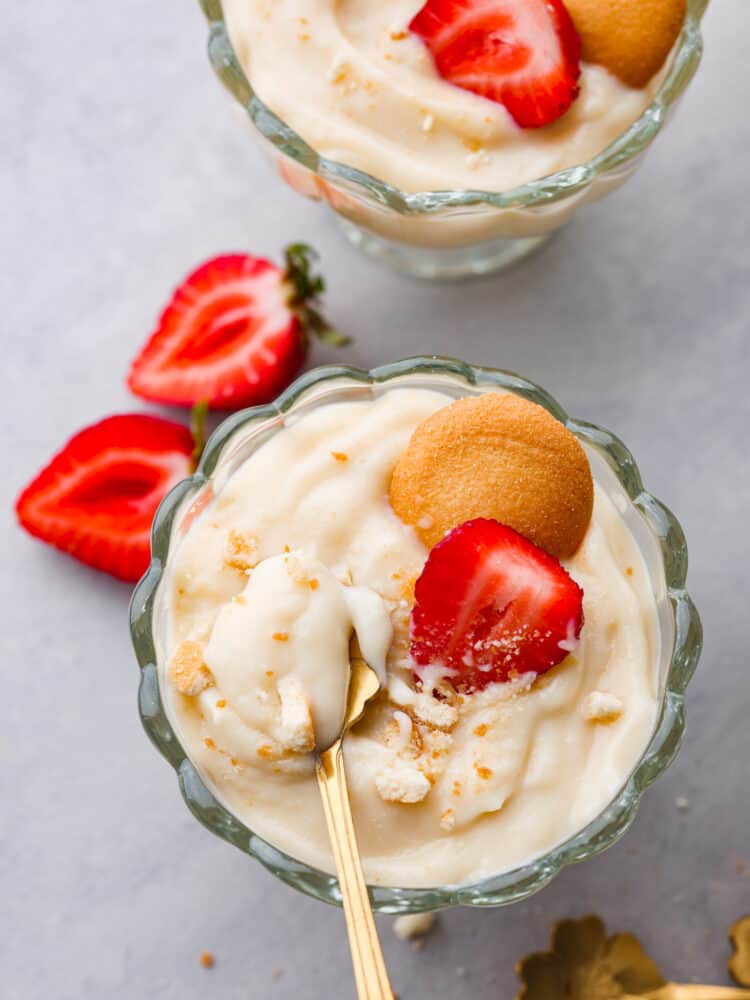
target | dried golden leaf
x=739, y=964
x=584, y=964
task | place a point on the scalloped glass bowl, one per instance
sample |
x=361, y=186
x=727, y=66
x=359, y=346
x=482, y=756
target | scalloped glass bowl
x=451, y=234
x=657, y=533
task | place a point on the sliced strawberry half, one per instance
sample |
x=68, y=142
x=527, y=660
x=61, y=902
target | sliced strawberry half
x=97, y=498
x=235, y=333
x=524, y=54
x=491, y=605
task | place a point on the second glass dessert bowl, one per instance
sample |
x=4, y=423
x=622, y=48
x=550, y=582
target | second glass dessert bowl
x=451, y=234
x=657, y=536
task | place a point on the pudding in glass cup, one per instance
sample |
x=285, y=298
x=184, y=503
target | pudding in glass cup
x=470, y=783
x=424, y=174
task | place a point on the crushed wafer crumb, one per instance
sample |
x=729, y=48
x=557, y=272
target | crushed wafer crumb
x=448, y=820
x=402, y=783
x=280, y=636
x=481, y=730
x=221, y=703
x=297, y=733
x=601, y=706
x=187, y=669
x=209, y=743
x=295, y=570
x=485, y=773
x=340, y=456
x=241, y=551
x=479, y=159
x=207, y=960
x=338, y=72
x=413, y=925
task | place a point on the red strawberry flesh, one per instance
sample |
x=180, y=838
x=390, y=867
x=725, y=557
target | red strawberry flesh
x=227, y=336
x=524, y=54
x=490, y=605
x=97, y=498
x=234, y=334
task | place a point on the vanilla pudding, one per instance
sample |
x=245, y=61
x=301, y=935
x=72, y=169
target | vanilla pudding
x=299, y=549
x=363, y=91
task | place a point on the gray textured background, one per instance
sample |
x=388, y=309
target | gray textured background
x=122, y=167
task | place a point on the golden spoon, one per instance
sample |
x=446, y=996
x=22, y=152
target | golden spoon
x=673, y=991
x=367, y=956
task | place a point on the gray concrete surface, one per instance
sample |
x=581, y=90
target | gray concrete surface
x=122, y=166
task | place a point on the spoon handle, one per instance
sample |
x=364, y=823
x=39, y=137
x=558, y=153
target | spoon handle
x=367, y=957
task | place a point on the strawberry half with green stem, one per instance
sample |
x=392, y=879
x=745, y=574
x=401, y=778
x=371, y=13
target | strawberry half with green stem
x=97, y=497
x=524, y=54
x=491, y=605
x=235, y=333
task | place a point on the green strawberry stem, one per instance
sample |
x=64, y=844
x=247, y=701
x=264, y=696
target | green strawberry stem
x=304, y=289
x=198, y=430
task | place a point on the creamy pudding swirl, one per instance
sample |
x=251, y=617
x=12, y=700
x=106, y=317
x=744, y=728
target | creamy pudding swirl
x=361, y=89
x=300, y=548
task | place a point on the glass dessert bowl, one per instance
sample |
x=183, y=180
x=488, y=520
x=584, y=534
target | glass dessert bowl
x=444, y=234
x=655, y=534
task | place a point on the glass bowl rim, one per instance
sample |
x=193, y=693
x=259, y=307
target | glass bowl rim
x=528, y=878
x=534, y=194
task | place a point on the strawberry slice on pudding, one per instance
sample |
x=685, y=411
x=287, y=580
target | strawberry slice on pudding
x=490, y=605
x=523, y=54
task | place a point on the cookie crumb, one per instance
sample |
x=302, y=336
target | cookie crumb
x=601, y=706
x=187, y=670
x=241, y=551
x=448, y=820
x=207, y=960
x=413, y=925
x=402, y=783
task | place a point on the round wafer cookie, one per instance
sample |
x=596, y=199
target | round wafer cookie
x=630, y=38
x=497, y=456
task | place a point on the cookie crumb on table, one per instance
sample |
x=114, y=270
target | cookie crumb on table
x=207, y=960
x=413, y=925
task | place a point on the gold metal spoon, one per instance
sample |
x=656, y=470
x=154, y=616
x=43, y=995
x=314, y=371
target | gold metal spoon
x=673, y=991
x=367, y=956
